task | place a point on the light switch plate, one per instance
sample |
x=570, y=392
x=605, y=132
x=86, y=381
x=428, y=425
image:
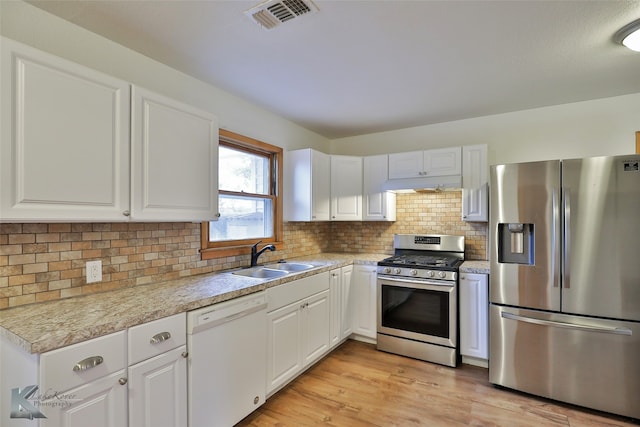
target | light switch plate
x=94, y=271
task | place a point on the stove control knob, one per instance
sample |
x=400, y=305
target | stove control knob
x=430, y=273
x=387, y=270
x=397, y=271
x=414, y=272
x=442, y=274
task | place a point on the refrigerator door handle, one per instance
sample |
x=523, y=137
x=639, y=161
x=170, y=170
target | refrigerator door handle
x=586, y=328
x=567, y=238
x=554, y=261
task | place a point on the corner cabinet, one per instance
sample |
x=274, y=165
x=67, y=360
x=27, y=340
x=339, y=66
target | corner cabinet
x=307, y=186
x=475, y=187
x=346, y=188
x=378, y=204
x=474, y=312
x=174, y=157
x=64, y=143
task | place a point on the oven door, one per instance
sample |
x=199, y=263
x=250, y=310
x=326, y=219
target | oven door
x=418, y=309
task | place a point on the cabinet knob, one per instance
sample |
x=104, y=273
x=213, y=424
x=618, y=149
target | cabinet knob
x=126, y=213
x=185, y=354
x=218, y=215
x=122, y=381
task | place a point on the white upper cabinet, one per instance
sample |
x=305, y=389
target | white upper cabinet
x=307, y=183
x=475, y=188
x=346, y=188
x=64, y=143
x=174, y=160
x=422, y=164
x=378, y=205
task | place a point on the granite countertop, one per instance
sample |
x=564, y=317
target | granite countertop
x=46, y=326
x=479, y=267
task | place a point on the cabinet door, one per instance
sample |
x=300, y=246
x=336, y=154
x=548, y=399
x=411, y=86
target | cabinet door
x=474, y=306
x=174, y=160
x=346, y=316
x=315, y=327
x=320, y=186
x=158, y=390
x=379, y=205
x=64, y=143
x=443, y=161
x=100, y=403
x=406, y=165
x=346, y=188
x=307, y=186
x=364, y=301
x=284, y=358
x=335, y=293
x=475, y=189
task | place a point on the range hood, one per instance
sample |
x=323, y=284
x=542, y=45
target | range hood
x=438, y=183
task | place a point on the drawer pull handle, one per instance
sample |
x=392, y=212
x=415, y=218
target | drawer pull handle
x=158, y=338
x=88, y=363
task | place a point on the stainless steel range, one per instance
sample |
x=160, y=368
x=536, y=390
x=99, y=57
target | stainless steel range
x=418, y=298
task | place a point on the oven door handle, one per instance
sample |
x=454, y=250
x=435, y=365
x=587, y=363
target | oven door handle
x=447, y=284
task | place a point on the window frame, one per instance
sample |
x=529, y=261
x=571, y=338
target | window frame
x=211, y=250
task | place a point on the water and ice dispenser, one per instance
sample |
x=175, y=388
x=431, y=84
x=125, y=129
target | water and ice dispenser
x=515, y=243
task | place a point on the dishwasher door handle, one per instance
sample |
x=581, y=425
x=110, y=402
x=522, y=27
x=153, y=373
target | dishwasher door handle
x=212, y=321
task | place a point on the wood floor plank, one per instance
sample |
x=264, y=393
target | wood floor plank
x=358, y=386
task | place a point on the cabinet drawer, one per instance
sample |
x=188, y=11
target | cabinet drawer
x=153, y=338
x=287, y=293
x=95, y=358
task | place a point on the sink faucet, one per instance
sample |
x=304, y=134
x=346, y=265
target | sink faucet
x=255, y=253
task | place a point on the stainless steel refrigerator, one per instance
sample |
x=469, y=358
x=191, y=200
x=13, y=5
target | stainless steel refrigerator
x=565, y=281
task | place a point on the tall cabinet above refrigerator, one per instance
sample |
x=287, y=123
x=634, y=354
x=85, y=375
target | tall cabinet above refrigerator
x=565, y=280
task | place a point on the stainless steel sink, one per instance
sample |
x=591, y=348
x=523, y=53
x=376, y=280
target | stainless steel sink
x=290, y=266
x=261, y=273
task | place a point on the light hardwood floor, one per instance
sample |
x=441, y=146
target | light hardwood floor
x=356, y=385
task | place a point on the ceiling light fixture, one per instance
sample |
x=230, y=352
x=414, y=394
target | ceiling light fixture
x=629, y=35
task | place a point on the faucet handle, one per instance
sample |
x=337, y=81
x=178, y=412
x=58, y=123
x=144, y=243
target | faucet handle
x=257, y=243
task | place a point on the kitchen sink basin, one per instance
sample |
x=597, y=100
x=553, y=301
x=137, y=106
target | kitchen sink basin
x=261, y=273
x=290, y=266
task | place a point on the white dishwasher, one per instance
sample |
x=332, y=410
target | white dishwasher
x=227, y=344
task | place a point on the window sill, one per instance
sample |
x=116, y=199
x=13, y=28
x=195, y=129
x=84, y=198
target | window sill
x=215, y=253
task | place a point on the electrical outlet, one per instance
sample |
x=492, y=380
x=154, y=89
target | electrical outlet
x=94, y=271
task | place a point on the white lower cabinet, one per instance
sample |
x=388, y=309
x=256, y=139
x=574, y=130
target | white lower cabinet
x=474, y=308
x=136, y=377
x=158, y=373
x=298, y=335
x=86, y=383
x=298, y=327
x=99, y=403
x=340, y=291
x=363, y=301
x=158, y=390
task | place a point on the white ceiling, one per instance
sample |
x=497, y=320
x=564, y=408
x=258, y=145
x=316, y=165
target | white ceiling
x=357, y=67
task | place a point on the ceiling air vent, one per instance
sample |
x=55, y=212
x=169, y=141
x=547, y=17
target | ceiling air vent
x=272, y=13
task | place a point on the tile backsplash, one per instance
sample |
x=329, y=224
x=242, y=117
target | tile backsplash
x=41, y=262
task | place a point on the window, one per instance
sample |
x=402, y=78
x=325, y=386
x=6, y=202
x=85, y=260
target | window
x=249, y=197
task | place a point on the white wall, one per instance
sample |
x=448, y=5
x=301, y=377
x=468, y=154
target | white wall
x=582, y=129
x=32, y=26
